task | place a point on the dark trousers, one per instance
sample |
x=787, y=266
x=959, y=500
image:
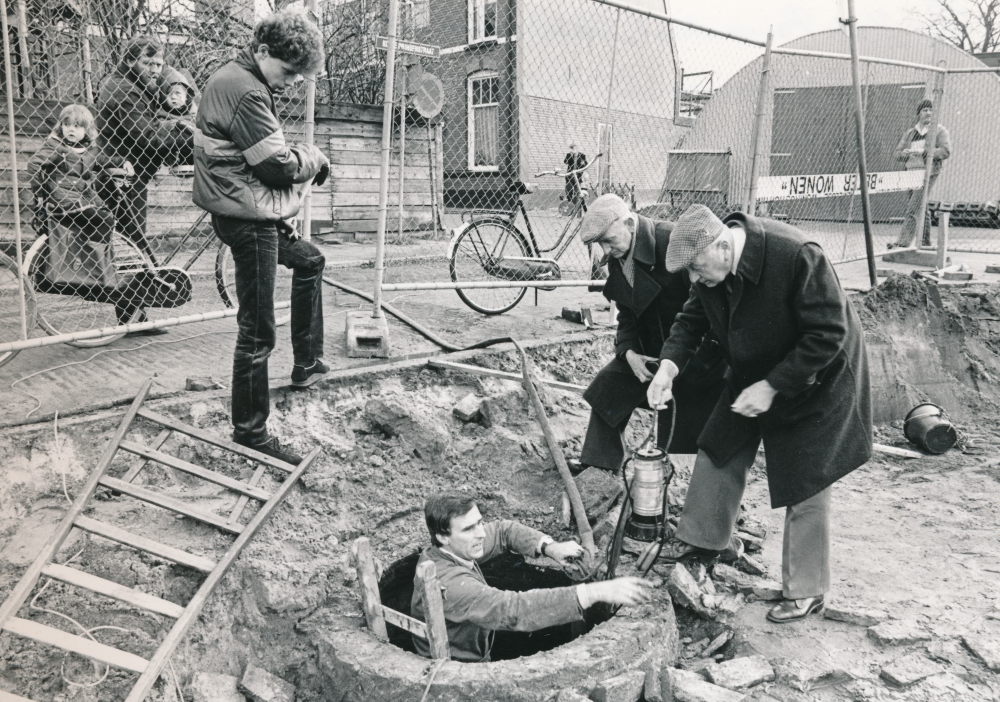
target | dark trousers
x=257, y=250
x=604, y=446
x=132, y=216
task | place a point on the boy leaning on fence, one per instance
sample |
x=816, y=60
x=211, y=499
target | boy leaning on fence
x=251, y=181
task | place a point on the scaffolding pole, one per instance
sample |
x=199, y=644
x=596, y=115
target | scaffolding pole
x=757, y=147
x=859, y=126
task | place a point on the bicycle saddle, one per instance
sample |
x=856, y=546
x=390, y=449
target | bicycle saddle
x=522, y=188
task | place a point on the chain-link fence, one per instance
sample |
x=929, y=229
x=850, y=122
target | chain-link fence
x=517, y=114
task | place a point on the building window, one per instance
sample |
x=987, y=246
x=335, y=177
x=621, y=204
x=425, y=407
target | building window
x=421, y=13
x=484, y=122
x=482, y=20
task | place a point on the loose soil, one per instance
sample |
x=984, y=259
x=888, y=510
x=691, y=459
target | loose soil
x=916, y=538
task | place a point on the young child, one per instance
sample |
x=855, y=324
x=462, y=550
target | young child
x=178, y=110
x=71, y=174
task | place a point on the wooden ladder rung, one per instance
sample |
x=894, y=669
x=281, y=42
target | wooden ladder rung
x=170, y=503
x=113, y=590
x=192, y=469
x=414, y=626
x=231, y=446
x=108, y=531
x=157, y=442
x=10, y=697
x=76, y=644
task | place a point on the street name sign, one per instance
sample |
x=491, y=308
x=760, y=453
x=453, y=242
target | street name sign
x=802, y=187
x=409, y=47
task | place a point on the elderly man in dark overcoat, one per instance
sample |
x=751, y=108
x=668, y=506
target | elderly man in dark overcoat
x=648, y=299
x=798, y=379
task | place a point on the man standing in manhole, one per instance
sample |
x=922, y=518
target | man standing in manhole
x=251, y=182
x=472, y=609
x=798, y=380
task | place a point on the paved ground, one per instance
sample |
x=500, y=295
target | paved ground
x=70, y=380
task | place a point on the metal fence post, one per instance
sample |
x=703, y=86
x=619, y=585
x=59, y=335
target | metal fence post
x=859, y=125
x=402, y=144
x=609, y=132
x=383, y=185
x=930, y=145
x=756, y=143
x=310, y=124
x=16, y=195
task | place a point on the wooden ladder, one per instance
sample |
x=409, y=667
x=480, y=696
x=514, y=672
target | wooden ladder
x=148, y=670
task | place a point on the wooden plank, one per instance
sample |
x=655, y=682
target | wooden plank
x=113, y=590
x=437, y=629
x=170, y=503
x=411, y=213
x=10, y=697
x=353, y=226
x=234, y=516
x=353, y=185
x=374, y=158
x=371, y=602
x=76, y=644
x=141, y=543
x=339, y=170
x=349, y=112
x=191, y=612
x=360, y=129
x=414, y=626
x=208, y=438
x=20, y=593
x=893, y=451
x=373, y=145
x=476, y=370
x=371, y=199
x=196, y=470
x=158, y=441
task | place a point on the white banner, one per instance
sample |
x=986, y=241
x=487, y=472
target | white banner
x=801, y=187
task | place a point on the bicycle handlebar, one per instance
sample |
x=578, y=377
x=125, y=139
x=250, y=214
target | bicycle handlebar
x=569, y=173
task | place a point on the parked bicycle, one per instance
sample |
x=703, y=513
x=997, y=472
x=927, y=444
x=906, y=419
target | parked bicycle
x=128, y=278
x=489, y=246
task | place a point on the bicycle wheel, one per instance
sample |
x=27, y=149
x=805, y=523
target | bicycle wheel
x=225, y=281
x=10, y=306
x=479, y=256
x=65, y=310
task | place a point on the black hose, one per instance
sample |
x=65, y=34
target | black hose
x=415, y=325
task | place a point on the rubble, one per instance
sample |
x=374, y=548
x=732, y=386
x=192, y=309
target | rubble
x=717, y=643
x=947, y=651
x=750, y=565
x=909, y=669
x=200, y=384
x=652, y=686
x=751, y=543
x=986, y=648
x=691, y=687
x=469, y=408
x=569, y=695
x=214, y=687
x=856, y=616
x=598, y=489
x=685, y=591
x=733, y=578
x=898, y=633
x=261, y=686
x=626, y=687
x=768, y=590
x=741, y=673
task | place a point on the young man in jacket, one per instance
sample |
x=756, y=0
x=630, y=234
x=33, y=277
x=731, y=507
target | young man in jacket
x=251, y=182
x=472, y=609
x=912, y=150
x=648, y=298
x=798, y=379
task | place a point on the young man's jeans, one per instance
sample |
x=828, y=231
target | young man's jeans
x=906, y=235
x=257, y=250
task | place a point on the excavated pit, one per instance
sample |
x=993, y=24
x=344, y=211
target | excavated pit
x=290, y=604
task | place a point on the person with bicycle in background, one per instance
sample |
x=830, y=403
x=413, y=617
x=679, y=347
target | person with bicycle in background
x=251, y=182
x=128, y=128
x=574, y=161
x=648, y=298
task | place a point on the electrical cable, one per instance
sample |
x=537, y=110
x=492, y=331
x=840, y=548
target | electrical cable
x=434, y=671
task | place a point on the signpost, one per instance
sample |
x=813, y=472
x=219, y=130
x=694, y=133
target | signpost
x=409, y=47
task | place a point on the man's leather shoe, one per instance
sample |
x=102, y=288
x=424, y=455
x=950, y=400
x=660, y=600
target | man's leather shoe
x=272, y=447
x=793, y=610
x=675, y=550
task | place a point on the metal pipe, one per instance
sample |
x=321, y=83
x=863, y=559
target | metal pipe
x=383, y=183
x=757, y=147
x=11, y=130
x=402, y=146
x=56, y=339
x=682, y=23
x=850, y=57
x=22, y=40
x=310, y=123
x=608, y=129
x=430, y=165
x=988, y=69
x=859, y=126
x=491, y=285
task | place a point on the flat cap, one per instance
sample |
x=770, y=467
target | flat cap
x=601, y=214
x=695, y=230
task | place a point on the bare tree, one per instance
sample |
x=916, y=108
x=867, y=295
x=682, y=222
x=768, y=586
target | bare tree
x=355, y=68
x=971, y=25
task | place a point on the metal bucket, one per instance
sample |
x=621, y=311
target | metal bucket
x=926, y=427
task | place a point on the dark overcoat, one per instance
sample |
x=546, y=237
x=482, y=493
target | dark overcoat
x=646, y=311
x=787, y=320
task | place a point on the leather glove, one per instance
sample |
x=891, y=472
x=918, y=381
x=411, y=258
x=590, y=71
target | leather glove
x=321, y=177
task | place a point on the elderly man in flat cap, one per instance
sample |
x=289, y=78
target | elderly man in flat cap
x=648, y=299
x=798, y=379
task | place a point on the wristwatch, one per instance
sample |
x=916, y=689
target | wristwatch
x=545, y=541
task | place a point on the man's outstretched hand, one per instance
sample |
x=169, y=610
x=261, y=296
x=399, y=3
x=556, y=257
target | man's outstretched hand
x=755, y=400
x=620, y=591
x=564, y=551
x=637, y=362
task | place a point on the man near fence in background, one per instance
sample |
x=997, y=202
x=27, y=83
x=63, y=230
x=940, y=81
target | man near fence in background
x=473, y=610
x=912, y=149
x=798, y=379
x=648, y=298
x=251, y=182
